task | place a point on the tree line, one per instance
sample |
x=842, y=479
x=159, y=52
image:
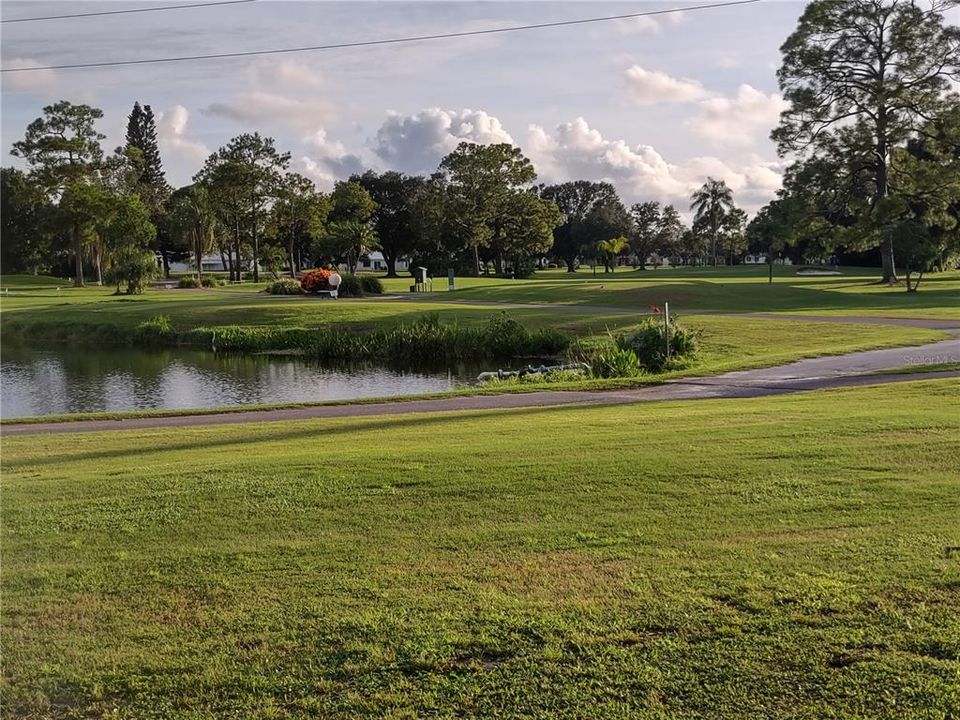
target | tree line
x=116, y=217
x=874, y=129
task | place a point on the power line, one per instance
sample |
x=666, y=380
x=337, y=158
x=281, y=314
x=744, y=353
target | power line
x=124, y=12
x=386, y=41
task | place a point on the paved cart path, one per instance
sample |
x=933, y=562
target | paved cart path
x=812, y=374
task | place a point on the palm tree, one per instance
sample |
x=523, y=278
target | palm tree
x=711, y=203
x=193, y=215
x=351, y=239
x=611, y=249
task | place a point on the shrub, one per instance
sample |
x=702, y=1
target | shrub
x=371, y=285
x=608, y=360
x=313, y=281
x=549, y=341
x=211, y=281
x=135, y=267
x=155, y=331
x=649, y=344
x=188, y=282
x=285, y=287
x=350, y=285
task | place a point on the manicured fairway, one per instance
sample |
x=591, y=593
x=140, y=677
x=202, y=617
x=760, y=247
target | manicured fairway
x=780, y=557
x=727, y=342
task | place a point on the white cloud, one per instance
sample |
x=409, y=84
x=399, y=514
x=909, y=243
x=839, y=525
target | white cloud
x=269, y=74
x=637, y=25
x=649, y=87
x=284, y=93
x=181, y=155
x=328, y=161
x=260, y=107
x=416, y=143
x=35, y=82
x=741, y=120
x=574, y=151
x=728, y=61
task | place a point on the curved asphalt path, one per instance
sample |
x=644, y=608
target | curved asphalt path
x=853, y=369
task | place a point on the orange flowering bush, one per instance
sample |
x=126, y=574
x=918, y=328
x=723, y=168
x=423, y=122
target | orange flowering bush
x=315, y=280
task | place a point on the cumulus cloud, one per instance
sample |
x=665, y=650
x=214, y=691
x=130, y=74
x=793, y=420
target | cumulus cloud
x=741, y=120
x=649, y=87
x=172, y=135
x=327, y=161
x=574, y=150
x=35, y=82
x=416, y=143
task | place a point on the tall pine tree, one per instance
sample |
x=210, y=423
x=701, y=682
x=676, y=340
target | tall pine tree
x=142, y=135
x=151, y=184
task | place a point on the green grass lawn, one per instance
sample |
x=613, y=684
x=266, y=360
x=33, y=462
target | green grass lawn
x=778, y=557
x=555, y=300
x=738, y=289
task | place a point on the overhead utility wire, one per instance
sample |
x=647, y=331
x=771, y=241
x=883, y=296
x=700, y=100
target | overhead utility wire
x=387, y=41
x=125, y=12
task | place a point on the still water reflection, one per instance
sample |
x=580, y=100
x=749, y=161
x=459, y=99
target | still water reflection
x=62, y=379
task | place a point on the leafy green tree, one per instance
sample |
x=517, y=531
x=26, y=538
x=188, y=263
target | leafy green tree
x=350, y=233
x=298, y=218
x=710, y=204
x=482, y=180
x=126, y=231
x=733, y=234
x=578, y=202
x=26, y=223
x=351, y=202
x=645, y=230
x=670, y=230
x=866, y=76
x=63, y=151
x=394, y=195
x=442, y=239
x=244, y=178
x=528, y=230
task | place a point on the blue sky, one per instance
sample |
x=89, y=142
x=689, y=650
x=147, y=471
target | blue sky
x=654, y=105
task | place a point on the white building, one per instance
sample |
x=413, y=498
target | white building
x=375, y=262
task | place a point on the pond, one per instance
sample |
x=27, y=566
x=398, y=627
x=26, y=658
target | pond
x=61, y=379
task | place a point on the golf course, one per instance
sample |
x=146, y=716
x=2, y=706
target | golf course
x=772, y=556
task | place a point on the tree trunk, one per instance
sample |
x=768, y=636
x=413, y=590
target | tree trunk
x=78, y=256
x=198, y=253
x=98, y=257
x=293, y=262
x=236, y=242
x=391, y=265
x=889, y=267
x=165, y=258
x=571, y=264
x=476, y=258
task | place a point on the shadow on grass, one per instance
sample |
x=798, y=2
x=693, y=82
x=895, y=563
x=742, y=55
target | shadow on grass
x=204, y=442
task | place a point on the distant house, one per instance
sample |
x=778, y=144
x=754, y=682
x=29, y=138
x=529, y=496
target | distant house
x=211, y=263
x=761, y=259
x=375, y=262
